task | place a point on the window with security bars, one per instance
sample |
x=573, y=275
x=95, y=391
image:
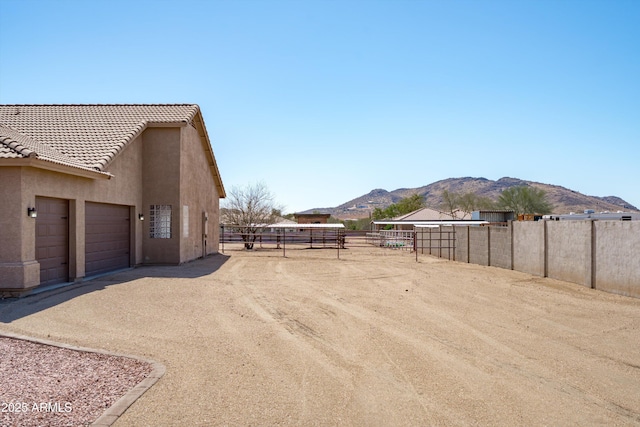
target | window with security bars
x=160, y=221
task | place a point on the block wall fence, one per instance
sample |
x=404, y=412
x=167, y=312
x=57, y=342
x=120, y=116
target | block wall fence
x=603, y=255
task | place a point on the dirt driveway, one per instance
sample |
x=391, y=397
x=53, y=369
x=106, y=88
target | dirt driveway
x=372, y=338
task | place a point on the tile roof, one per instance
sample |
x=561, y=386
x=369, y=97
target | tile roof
x=81, y=136
x=14, y=145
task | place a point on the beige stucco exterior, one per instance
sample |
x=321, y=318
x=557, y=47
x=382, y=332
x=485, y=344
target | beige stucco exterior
x=167, y=164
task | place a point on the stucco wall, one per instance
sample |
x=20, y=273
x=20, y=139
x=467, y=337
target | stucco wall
x=198, y=194
x=569, y=251
x=617, y=261
x=16, y=271
x=12, y=219
x=161, y=186
x=529, y=247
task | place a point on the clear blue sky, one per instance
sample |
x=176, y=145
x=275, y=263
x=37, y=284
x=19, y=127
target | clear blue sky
x=324, y=101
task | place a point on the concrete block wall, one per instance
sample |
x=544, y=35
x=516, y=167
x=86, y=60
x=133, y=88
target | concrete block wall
x=528, y=247
x=500, y=247
x=479, y=245
x=568, y=251
x=603, y=255
x=617, y=261
x=462, y=243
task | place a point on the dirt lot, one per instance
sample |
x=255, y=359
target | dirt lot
x=372, y=338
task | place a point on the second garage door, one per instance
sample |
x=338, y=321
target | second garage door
x=107, y=237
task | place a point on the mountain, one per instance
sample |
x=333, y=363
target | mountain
x=562, y=199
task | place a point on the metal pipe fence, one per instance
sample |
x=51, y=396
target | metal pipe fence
x=437, y=241
x=283, y=238
x=394, y=239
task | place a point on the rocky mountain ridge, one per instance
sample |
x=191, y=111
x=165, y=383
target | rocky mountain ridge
x=563, y=199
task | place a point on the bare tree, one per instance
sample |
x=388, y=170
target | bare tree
x=458, y=205
x=450, y=203
x=250, y=208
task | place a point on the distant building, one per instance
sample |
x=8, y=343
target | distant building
x=493, y=215
x=313, y=218
x=425, y=217
x=591, y=214
x=91, y=189
x=428, y=214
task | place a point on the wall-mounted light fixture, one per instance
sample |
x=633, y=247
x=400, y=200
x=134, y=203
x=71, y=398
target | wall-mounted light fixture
x=32, y=212
x=141, y=217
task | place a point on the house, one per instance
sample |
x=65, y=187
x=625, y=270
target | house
x=421, y=216
x=428, y=214
x=89, y=189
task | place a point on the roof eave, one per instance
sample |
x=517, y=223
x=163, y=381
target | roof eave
x=213, y=165
x=55, y=167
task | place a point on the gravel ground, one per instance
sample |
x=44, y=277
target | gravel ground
x=372, y=338
x=43, y=385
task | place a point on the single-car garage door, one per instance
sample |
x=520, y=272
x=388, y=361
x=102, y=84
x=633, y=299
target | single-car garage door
x=52, y=240
x=107, y=234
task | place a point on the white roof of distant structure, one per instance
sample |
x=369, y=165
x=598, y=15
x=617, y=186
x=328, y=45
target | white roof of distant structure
x=304, y=226
x=432, y=223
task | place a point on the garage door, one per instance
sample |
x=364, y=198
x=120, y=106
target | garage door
x=52, y=240
x=107, y=234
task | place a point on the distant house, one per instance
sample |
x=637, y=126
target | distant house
x=312, y=218
x=421, y=216
x=428, y=214
x=89, y=189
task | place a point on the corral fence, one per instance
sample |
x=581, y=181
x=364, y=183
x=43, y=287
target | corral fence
x=294, y=236
x=598, y=254
x=431, y=240
x=435, y=240
x=393, y=239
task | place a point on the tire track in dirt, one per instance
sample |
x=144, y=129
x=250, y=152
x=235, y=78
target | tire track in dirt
x=511, y=363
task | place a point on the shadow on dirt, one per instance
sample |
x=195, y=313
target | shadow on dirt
x=15, y=308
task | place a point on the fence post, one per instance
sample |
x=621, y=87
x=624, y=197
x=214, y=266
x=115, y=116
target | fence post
x=545, y=249
x=510, y=225
x=454, y=242
x=489, y=245
x=591, y=265
x=222, y=238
